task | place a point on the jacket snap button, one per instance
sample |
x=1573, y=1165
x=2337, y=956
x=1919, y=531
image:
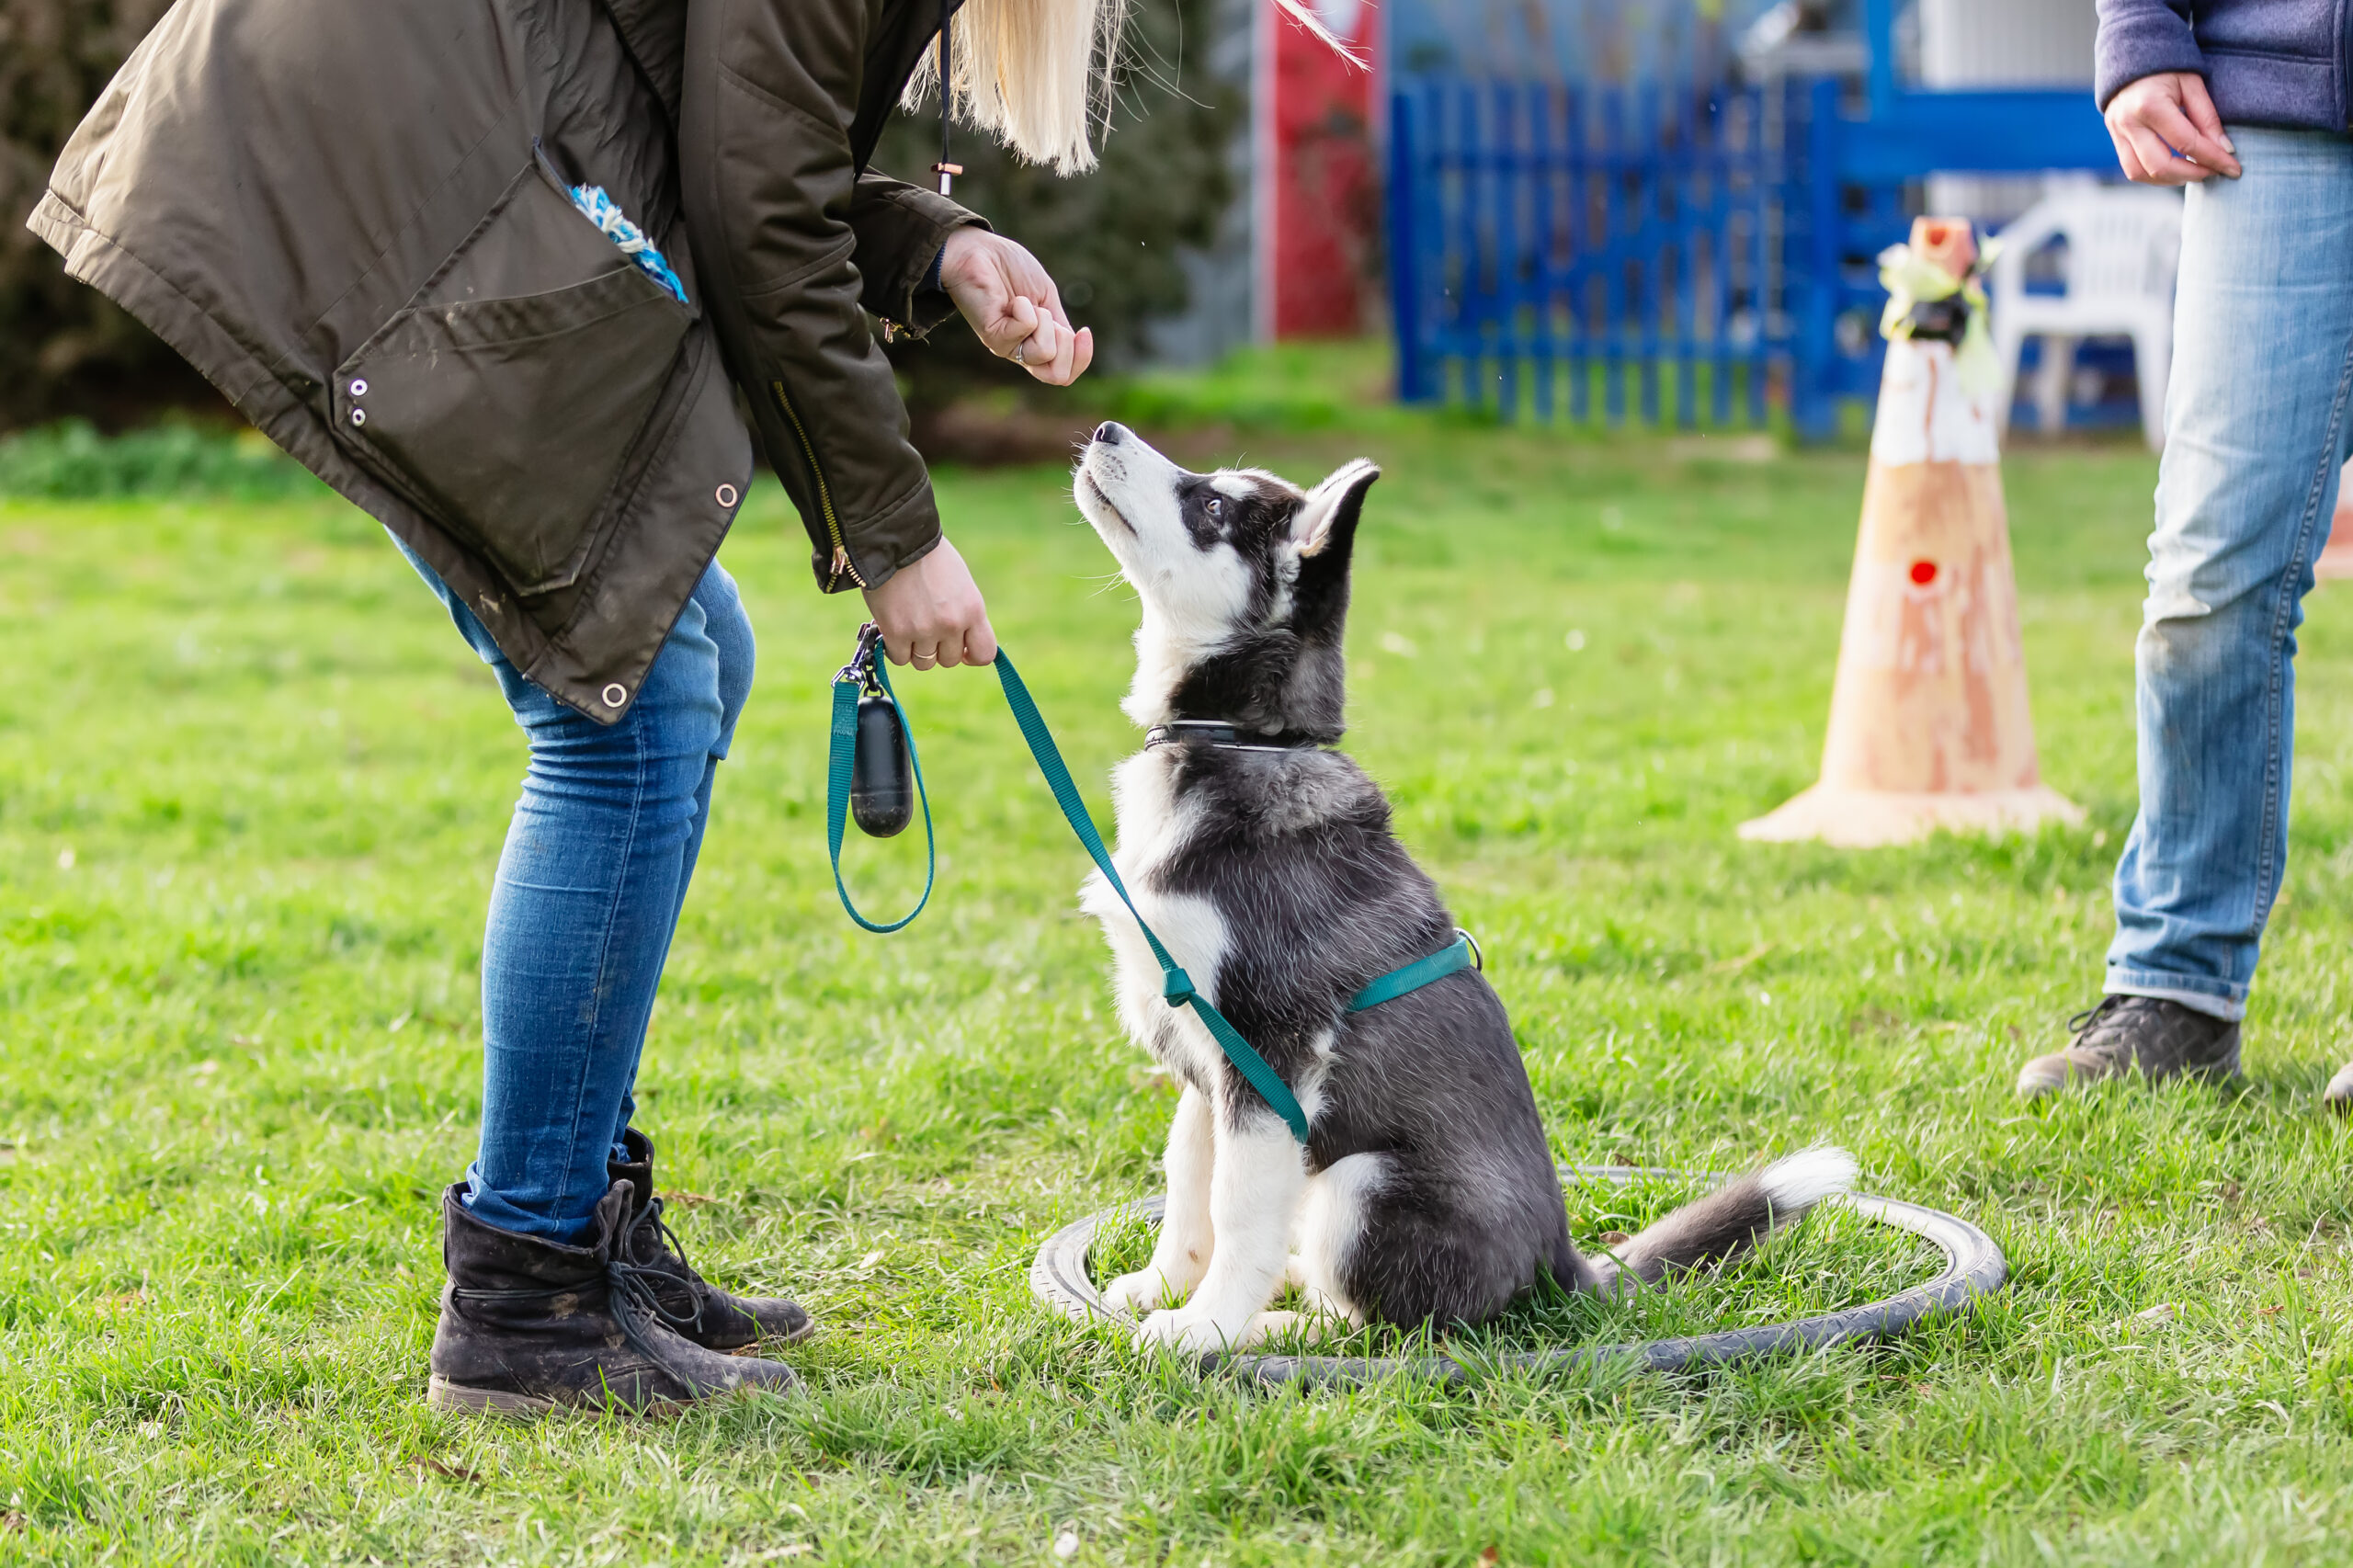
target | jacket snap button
x=360, y=388
x=727, y=495
x=616, y=694
x=360, y=416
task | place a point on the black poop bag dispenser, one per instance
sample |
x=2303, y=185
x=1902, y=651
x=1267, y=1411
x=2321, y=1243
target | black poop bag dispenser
x=882, y=779
x=872, y=774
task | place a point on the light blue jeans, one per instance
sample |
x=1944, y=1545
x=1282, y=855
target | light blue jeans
x=2257, y=428
x=598, y=859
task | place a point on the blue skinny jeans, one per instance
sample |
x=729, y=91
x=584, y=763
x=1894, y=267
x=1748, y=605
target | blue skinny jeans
x=2256, y=430
x=598, y=859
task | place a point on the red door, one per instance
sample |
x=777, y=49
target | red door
x=1318, y=209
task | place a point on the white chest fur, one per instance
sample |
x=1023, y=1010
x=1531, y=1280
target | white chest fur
x=1152, y=827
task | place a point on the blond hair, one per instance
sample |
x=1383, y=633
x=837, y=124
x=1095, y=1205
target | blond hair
x=1039, y=74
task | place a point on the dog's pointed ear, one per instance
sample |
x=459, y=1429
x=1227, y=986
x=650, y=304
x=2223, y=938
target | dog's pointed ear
x=1327, y=523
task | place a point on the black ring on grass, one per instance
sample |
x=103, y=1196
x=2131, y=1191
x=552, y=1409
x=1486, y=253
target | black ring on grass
x=1975, y=1266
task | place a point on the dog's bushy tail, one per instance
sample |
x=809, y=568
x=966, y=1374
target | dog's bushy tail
x=1734, y=1217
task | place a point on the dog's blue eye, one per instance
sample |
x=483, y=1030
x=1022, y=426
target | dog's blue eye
x=1216, y=507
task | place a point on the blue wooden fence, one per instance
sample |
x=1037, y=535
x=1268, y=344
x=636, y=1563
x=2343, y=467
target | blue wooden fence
x=1583, y=251
x=1677, y=252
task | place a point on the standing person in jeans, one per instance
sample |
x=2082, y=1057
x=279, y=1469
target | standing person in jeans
x=2246, y=102
x=410, y=240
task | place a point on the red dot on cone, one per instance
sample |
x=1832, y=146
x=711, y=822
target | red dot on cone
x=1924, y=572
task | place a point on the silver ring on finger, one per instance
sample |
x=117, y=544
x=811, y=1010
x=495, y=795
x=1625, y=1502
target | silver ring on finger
x=1020, y=353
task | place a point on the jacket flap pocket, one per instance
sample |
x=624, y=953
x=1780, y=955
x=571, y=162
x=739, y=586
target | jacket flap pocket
x=514, y=418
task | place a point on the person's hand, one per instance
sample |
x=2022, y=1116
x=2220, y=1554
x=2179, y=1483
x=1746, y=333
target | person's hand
x=1014, y=309
x=931, y=613
x=2167, y=131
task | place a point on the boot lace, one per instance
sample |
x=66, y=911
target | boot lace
x=2089, y=1018
x=637, y=1302
x=665, y=1242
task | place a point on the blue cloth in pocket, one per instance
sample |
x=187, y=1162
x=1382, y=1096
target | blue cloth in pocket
x=602, y=211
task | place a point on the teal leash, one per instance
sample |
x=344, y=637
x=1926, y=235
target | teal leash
x=1175, y=985
x=1464, y=954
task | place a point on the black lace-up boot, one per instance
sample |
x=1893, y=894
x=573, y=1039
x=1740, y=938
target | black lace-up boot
x=2148, y=1035
x=530, y=1325
x=699, y=1309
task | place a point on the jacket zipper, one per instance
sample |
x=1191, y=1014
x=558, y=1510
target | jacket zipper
x=841, y=562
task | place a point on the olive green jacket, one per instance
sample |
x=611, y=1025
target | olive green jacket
x=353, y=218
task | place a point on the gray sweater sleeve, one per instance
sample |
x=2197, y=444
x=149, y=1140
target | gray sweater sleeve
x=2141, y=37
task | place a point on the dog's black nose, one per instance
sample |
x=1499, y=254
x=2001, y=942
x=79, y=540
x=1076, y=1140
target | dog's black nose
x=1108, y=434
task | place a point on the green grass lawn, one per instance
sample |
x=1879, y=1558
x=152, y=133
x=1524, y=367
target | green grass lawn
x=252, y=788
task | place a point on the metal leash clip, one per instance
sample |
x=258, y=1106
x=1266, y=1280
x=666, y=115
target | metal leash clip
x=859, y=671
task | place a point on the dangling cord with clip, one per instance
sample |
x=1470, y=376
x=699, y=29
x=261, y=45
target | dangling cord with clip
x=944, y=169
x=871, y=739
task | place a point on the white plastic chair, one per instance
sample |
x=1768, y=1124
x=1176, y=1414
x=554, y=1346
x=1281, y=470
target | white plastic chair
x=2123, y=246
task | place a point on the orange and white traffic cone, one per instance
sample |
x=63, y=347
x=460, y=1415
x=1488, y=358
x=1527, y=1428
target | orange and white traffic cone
x=1928, y=722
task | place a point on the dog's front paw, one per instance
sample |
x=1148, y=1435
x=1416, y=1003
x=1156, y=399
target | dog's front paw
x=1186, y=1329
x=1144, y=1290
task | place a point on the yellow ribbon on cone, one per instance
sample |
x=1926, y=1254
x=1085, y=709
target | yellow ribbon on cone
x=1910, y=277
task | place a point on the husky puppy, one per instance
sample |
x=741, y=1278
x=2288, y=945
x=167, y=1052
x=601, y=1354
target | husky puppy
x=1266, y=863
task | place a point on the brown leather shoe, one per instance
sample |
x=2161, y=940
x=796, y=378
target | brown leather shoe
x=2157, y=1039
x=2338, y=1095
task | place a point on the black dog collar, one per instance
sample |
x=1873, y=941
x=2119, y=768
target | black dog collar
x=1224, y=736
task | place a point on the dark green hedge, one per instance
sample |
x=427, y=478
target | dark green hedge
x=62, y=348
x=1113, y=238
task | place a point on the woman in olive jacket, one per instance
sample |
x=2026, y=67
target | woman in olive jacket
x=496, y=269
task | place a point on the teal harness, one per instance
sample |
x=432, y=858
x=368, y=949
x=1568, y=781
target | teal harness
x=867, y=674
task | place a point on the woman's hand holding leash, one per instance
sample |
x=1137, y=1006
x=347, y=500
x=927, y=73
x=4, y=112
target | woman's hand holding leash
x=1014, y=307
x=931, y=613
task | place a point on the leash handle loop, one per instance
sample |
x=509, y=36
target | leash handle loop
x=1176, y=986
x=848, y=685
